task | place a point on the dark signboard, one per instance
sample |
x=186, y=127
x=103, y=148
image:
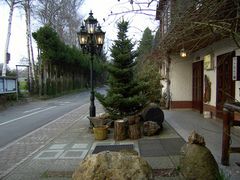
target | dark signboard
x=8, y=85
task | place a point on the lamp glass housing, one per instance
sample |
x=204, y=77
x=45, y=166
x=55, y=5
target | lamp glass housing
x=82, y=38
x=183, y=53
x=91, y=23
x=100, y=38
x=99, y=35
x=91, y=28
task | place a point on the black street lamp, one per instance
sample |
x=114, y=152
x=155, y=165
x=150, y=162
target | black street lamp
x=91, y=39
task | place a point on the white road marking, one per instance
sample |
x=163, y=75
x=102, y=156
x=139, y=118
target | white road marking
x=31, y=110
x=27, y=115
x=64, y=102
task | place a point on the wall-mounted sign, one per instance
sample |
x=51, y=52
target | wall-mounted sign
x=236, y=68
x=208, y=62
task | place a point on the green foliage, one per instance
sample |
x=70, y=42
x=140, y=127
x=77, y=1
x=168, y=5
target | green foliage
x=49, y=42
x=61, y=60
x=146, y=42
x=148, y=69
x=222, y=175
x=23, y=85
x=148, y=74
x=55, y=51
x=124, y=95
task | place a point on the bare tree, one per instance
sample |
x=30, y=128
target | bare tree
x=27, y=9
x=11, y=4
x=62, y=16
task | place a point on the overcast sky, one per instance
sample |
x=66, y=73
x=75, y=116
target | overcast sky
x=101, y=10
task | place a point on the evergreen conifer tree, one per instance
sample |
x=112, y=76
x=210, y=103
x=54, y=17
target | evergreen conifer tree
x=147, y=68
x=124, y=94
x=146, y=43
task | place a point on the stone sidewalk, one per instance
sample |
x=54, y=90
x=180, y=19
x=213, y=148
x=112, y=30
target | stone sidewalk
x=56, y=149
x=24, y=148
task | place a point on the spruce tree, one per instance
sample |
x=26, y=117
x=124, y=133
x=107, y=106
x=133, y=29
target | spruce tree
x=147, y=68
x=146, y=43
x=124, y=95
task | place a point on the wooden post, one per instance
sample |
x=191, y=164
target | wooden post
x=227, y=117
x=120, y=130
x=134, y=131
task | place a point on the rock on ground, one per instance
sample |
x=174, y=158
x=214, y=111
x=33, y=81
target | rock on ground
x=196, y=161
x=150, y=128
x=113, y=165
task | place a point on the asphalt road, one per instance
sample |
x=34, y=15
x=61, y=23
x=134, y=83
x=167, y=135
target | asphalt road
x=19, y=120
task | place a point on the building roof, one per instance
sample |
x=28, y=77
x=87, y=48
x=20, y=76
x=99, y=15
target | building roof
x=201, y=25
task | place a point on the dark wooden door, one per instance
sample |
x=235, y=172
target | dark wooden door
x=225, y=84
x=197, y=96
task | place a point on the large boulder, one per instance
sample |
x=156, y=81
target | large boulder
x=113, y=165
x=196, y=161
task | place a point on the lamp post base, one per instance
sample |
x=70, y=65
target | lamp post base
x=92, y=110
x=92, y=113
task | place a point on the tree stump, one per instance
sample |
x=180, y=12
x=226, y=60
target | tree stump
x=120, y=131
x=134, y=131
x=135, y=119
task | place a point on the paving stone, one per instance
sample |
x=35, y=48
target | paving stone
x=74, y=154
x=64, y=165
x=49, y=154
x=26, y=176
x=175, y=160
x=151, y=148
x=160, y=147
x=57, y=146
x=172, y=145
x=160, y=162
x=80, y=146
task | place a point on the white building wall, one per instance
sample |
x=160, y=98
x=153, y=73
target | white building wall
x=217, y=48
x=181, y=72
x=181, y=79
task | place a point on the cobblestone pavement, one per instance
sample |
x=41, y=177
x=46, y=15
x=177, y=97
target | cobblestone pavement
x=24, y=148
x=55, y=150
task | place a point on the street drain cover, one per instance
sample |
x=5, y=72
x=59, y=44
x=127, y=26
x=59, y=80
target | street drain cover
x=115, y=148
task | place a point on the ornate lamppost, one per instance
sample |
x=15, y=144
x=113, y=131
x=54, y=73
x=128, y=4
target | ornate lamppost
x=91, y=39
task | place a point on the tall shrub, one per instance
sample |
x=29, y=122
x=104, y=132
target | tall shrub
x=124, y=95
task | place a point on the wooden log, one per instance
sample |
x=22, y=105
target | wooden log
x=227, y=117
x=120, y=130
x=153, y=113
x=134, y=131
x=133, y=119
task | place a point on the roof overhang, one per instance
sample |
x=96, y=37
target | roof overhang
x=198, y=28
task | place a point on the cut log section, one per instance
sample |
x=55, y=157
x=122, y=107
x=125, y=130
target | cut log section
x=153, y=113
x=134, y=131
x=120, y=130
